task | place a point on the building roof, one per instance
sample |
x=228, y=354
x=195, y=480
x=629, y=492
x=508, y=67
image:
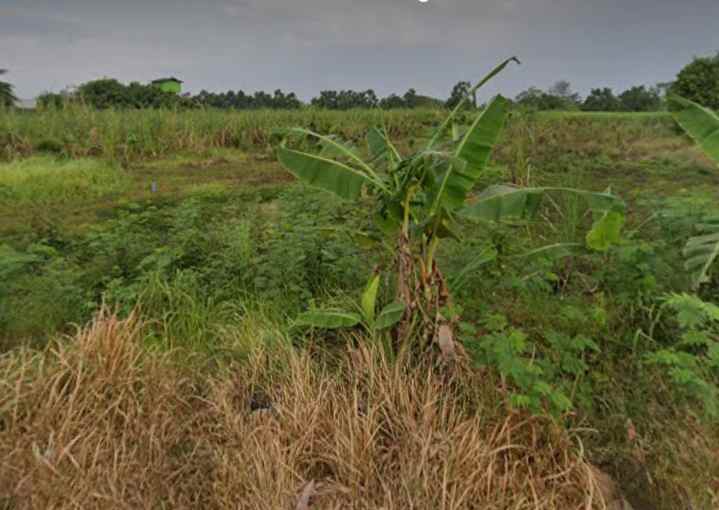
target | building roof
x=162, y=80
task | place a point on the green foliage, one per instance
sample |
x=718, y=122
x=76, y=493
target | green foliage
x=373, y=319
x=461, y=92
x=7, y=97
x=601, y=100
x=702, y=125
x=692, y=363
x=131, y=135
x=698, y=81
x=558, y=97
x=45, y=180
x=606, y=231
x=241, y=101
x=110, y=93
x=419, y=198
x=702, y=251
x=640, y=99
x=542, y=379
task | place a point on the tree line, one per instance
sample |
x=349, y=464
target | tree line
x=561, y=97
x=110, y=93
x=698, y=81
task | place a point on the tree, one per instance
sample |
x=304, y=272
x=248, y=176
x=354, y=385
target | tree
x=640, y=99
x=563, y=90
x=699, y=82
x=536, y=99
x=459, y=93
x=601, y=100
x=7, y=96
x=411, y=99
x=391, y=102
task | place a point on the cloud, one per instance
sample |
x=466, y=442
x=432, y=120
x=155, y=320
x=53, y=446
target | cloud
x=389, y=45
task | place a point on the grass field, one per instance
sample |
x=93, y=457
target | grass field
x=153, y=264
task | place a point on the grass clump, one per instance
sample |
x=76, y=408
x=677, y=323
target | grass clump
x=98, y=421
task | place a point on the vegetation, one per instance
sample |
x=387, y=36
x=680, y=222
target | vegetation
x=418, y=202
x=110, y=93
x=7, y=97
x=702, y=251
x=209, y=373
x=561, y=97
x=699, y=82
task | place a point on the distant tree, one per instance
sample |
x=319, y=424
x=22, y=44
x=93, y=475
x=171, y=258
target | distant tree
x=7, y=96
x=391, y=102
x=601, y=100
x=530, y=98
x=110, y=93
x=699, y=81
x=459, y=92
x=536, y=99
x=640, y=99
x=563, y=89
x=104, y=93
x=411, y=99
x=345, y=99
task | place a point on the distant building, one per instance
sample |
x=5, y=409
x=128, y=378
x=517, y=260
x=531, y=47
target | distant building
x=172, y=85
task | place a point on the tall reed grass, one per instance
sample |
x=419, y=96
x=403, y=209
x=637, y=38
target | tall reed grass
x=77, y=131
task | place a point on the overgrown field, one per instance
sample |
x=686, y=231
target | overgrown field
x=195, y=387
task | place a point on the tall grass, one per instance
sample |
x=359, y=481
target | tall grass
x=77, y=131
x=99, y=422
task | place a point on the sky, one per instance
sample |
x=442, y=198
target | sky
x=307, y=46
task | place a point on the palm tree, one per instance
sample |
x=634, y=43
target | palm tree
x=7, y=97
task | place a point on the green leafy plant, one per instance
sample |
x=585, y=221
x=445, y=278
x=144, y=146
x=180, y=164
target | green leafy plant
x=418, y=201
x=702, y=124
x=372, y=318
x=541, y=380
x=693, y=362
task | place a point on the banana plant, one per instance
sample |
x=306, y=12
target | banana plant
x=372, y=318
x=419, y=200
x=702, y=250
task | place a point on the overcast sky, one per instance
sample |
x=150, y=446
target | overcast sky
x=388, y=45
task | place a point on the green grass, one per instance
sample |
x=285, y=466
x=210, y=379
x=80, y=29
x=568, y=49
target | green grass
x=230, y=242
x=43, y=180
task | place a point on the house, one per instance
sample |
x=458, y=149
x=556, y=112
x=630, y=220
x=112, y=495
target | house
x=171, y=84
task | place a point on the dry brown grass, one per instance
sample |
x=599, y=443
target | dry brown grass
x=97, y=421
